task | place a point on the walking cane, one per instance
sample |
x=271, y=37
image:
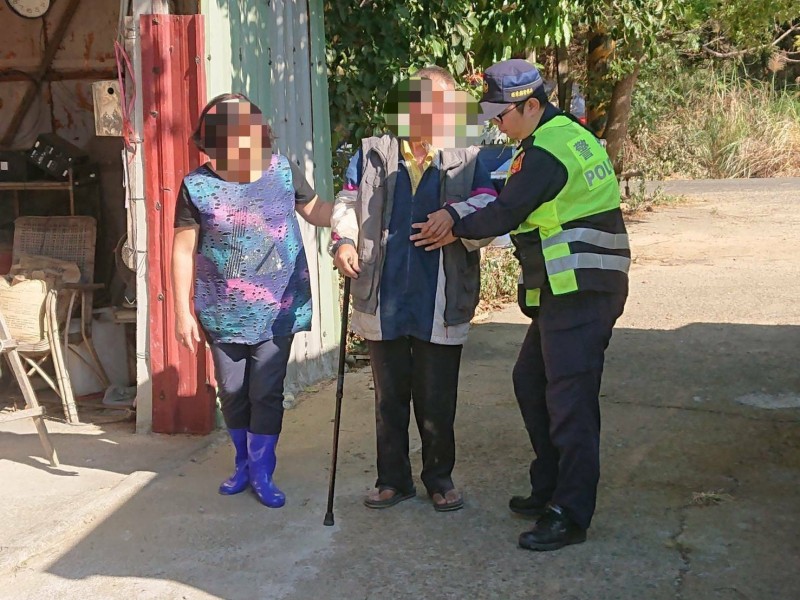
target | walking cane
x=339, y=393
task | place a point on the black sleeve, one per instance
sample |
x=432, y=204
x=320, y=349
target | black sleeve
x=303, y=192
x=186, y=213
x=539, y=180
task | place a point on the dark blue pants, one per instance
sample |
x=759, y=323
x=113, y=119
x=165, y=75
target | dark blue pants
x=250, y=383
x=409, y=369
x=557, y=384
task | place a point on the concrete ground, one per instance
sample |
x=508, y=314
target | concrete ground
x=701, y=457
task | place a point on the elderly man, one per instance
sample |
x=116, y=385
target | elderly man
x=413, y=307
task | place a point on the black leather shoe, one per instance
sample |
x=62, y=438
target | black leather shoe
x=528, y=506
x=552, y=531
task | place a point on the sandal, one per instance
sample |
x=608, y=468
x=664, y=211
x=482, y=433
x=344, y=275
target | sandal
x=397, y=498
x=450, y=506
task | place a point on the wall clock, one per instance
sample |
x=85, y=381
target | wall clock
x=30, y=9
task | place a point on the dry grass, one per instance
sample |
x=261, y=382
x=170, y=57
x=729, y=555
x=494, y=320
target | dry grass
x=637, y=198
x=734, y=129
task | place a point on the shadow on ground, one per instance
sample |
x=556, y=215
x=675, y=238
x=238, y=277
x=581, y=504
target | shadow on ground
x=686, y=411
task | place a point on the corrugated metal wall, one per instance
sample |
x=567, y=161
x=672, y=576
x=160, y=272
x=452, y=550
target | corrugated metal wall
x=274, y=52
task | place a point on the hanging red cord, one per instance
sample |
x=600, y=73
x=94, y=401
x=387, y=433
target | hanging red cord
x=126, y=104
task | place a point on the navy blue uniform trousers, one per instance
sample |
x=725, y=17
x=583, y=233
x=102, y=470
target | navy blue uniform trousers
x=557, y=384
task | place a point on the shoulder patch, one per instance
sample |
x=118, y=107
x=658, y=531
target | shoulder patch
x=517, y=164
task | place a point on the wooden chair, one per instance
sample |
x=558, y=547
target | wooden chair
x=10, y=348
x=69, y=239
x=32, y=319
x=34, y=410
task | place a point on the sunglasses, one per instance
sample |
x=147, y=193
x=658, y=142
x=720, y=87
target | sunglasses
x=499, y=118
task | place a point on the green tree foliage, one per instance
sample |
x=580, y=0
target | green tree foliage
x=639, y=28
x=744, y=24
x=373, y=43
x=511, y=27
x=752, y=32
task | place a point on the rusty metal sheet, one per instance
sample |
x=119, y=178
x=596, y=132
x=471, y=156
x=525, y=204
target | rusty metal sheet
x=85, y=54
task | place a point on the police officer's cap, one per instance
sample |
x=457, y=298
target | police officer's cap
x=508, y=82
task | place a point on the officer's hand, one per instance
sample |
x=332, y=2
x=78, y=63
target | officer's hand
x=437, y=227
x=448, y=238
x=346, y=260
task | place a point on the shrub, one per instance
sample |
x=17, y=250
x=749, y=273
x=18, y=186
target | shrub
x=499, y=277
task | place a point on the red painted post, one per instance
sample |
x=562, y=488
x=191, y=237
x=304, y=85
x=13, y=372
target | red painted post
x=173, y=93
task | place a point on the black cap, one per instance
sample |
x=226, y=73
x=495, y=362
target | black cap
x=508, y=82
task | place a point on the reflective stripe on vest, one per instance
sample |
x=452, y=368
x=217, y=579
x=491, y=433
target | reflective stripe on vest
x=586, y=260
x=612, y=241
x=533, y=297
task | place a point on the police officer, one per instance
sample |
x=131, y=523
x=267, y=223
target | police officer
x=561, y=204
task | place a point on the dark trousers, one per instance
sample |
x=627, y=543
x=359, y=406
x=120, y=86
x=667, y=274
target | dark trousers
x=250, y=383
x=409, y=369
x=557, y=384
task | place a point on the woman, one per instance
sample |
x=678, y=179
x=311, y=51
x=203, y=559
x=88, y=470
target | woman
x=238, y=240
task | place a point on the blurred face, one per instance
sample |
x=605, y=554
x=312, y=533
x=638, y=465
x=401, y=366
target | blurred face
x=430, y=110
x=236, y=137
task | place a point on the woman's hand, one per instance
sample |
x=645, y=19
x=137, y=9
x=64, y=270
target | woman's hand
x=184, y=247
x=186, y=331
